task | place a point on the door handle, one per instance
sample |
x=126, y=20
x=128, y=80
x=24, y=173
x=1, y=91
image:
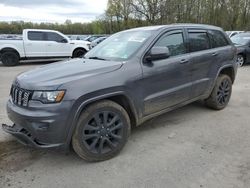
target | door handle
x=183, y=61
x=214, y=54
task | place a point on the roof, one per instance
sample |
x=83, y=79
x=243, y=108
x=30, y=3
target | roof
x=157, y=27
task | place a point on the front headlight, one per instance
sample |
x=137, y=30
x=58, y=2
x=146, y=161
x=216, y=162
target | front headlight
x=48, y=96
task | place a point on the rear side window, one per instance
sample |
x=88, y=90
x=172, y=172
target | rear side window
x=36, y=35
x=174, y=42
x=51, y=36
x=198, y=41
x=218, y=39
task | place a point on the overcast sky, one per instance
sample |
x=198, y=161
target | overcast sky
x=51, y=10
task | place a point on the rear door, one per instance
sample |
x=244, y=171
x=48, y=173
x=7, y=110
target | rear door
x=35, y=44
x=167, y=82
x=202, y=58
x=57, y=45
x=225, y=51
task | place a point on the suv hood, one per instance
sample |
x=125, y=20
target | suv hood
x=53, y=75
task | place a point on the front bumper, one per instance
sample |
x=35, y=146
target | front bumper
x=24, y=137
x=40, y=125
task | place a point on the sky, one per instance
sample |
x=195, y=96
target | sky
x=51, y=10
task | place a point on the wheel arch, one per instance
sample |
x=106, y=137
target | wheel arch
x=243, y=54
x=228, y=71
x=118, y=97
x=79, y=48
x=8, y=49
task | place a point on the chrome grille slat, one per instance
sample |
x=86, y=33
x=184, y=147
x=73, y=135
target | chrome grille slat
x=15, y=95
x=26, y=99
x=20, y=96
x=19, y=100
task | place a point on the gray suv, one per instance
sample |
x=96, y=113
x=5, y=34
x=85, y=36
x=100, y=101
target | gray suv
x=134, y=75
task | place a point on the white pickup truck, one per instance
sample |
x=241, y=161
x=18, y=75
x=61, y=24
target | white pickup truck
x=40, y=44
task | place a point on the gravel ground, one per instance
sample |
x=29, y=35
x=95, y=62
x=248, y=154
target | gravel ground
x=189, y=147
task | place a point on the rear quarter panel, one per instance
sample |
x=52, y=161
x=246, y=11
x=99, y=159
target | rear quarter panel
x=13, y=44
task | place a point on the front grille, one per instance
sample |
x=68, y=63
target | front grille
x=20, y=96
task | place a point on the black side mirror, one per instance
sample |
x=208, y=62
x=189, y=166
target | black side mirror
x=157, y=53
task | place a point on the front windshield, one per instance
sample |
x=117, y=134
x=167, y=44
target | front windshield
x=120, y=46
x=241, y=40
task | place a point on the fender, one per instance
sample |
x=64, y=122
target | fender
x=84, y=103
x=8, y=47
x=219, y=71
x=79, y=45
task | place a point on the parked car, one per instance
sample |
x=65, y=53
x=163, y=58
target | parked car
x=97, y=41
x=93, y=37
x=78, y=37
x=130, y=77
x=233, y=33
x=242, y=42
x=40, y=44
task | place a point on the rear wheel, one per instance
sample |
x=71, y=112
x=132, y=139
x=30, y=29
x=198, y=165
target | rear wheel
x=10, y=58
x=221, y=93
x=102, y=131
x=79, y=53
x=240, y=60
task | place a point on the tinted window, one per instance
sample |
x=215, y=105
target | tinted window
x=54, y=37
x=198, y=41
x=218, y=39
x=174, y=42
x=35, y=35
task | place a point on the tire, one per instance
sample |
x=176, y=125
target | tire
x=95, y=140
x=79, y=53
x=240, y=60
x=221, y=93
x=9, y=58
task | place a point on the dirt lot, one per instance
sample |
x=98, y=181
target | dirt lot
x=189, y=147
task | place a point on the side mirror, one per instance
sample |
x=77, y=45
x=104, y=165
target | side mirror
x=157, y=53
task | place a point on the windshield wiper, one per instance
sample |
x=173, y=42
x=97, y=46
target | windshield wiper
x=98, y=58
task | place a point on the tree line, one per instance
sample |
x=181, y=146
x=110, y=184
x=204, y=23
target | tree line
x=125, y=14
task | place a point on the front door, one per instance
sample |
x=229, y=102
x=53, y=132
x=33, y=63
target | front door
x=167, y=82
x=57, y=45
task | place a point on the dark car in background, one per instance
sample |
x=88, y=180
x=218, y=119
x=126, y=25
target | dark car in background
x=78, y=37
x=242, y=42
x=91, y=103
x=93, y=37
x=97, y=41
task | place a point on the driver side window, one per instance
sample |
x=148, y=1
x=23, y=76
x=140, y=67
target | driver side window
x=54, y=37
x=174, y=42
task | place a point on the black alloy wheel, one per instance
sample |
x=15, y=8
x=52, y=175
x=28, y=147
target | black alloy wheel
x=221, y=93
x=102, y=131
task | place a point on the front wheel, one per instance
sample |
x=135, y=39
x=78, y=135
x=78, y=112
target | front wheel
x=101, y=132
x=79, y=53
x=240, y=60
x=221, y=93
